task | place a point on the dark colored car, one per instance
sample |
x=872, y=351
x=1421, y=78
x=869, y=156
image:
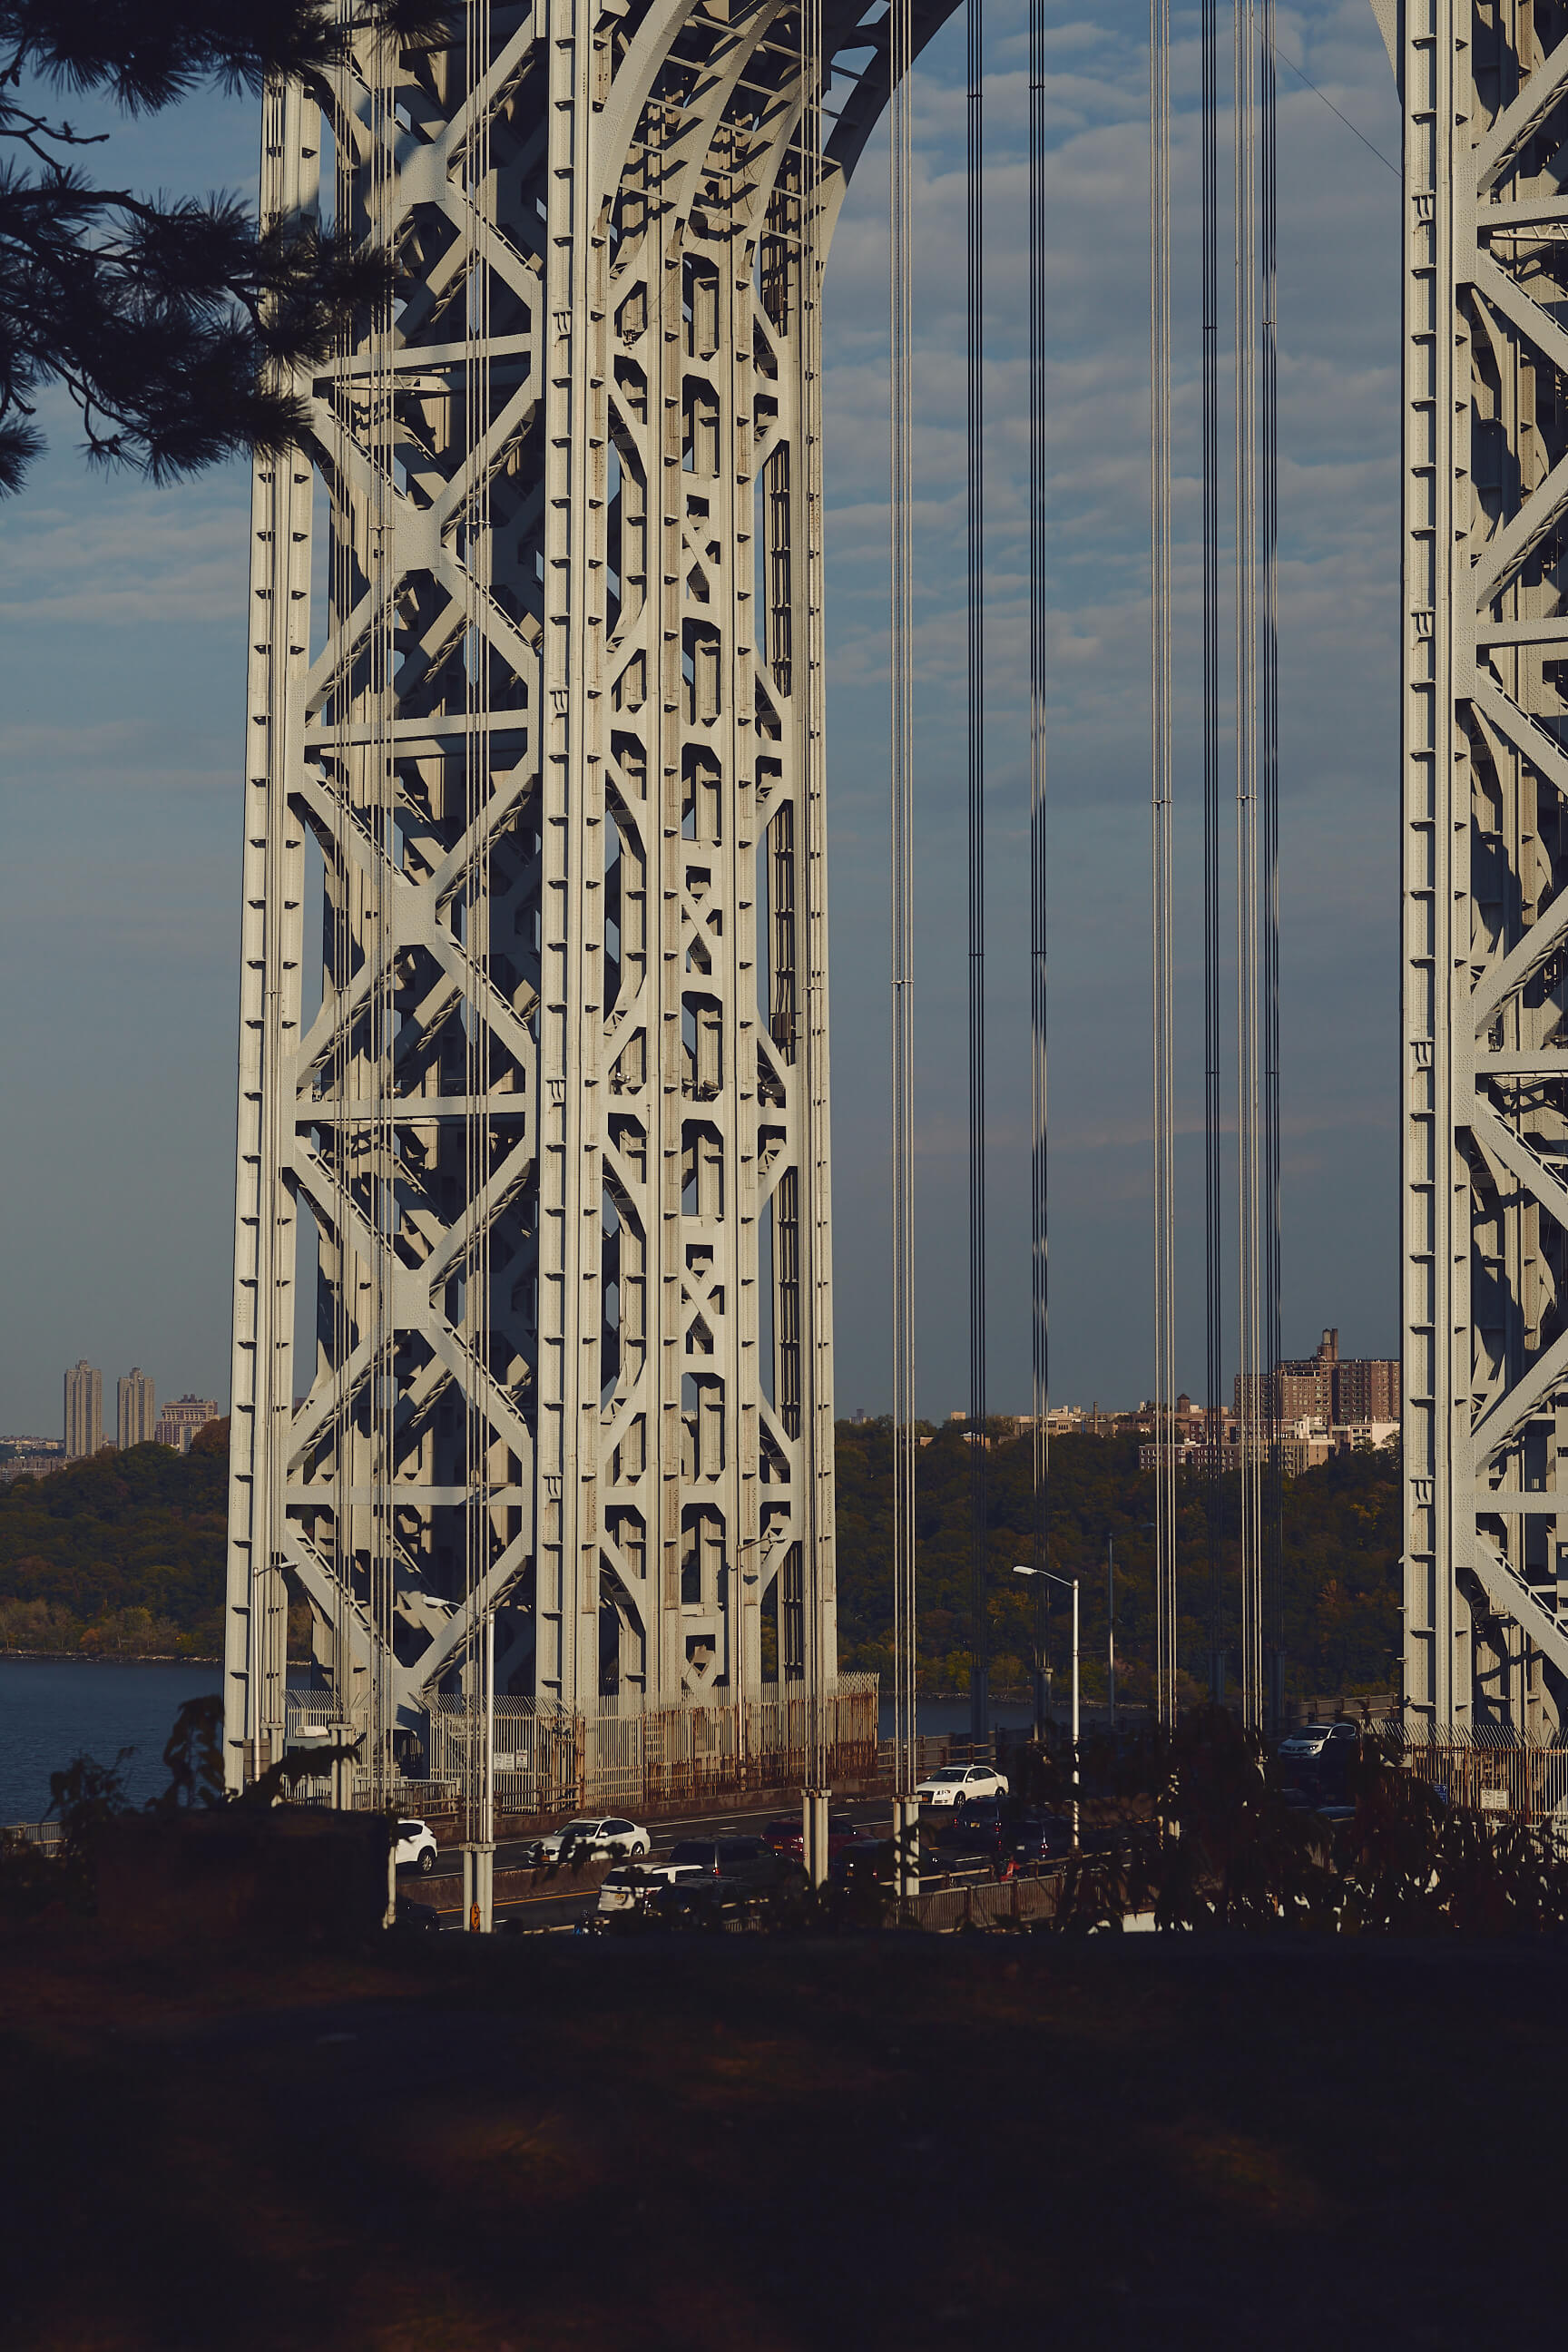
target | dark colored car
x=787, y=1836
x=974, y=1828
x=690, y=1905
x=753, y=1860
x=1039, y=1837
x=860, y=1856
x=417, y=1919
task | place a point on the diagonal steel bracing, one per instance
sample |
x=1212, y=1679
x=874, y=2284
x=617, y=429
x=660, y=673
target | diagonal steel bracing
x=1485, y=829
x=535, y=708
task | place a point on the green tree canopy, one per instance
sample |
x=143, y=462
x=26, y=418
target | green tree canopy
x=161, y=319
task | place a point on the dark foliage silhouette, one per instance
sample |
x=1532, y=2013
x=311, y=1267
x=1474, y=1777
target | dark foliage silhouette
x=161, y=319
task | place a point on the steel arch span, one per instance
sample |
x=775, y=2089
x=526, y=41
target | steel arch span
x=535, y=716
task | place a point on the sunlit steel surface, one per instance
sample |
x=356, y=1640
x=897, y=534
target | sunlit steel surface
x=537, y=1104
x=1485, y=848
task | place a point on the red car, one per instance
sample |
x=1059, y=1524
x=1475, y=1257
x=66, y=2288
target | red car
x=788, y=1836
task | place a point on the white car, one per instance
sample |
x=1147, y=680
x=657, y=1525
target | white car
x=626, y=1887
x=1311, y=1741
x=596, y=1835
x=957, y=1784
x=415, y=1847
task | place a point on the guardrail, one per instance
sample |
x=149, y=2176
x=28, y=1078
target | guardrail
x=45, y=1836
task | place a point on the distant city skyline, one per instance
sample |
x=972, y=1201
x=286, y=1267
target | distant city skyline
x=138, y=1420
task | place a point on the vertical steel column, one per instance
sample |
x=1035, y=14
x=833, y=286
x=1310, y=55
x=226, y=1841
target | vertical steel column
x=1485, y=862
x=562, y=1120
x=255, y=1616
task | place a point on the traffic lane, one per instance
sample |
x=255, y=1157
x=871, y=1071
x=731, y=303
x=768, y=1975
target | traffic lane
x=866, y=1812
x=871, y=1814
x=559, y=1912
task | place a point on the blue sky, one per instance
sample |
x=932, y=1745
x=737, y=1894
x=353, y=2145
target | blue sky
x=122, y=666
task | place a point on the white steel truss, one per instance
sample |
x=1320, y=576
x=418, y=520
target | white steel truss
x=535, y=702
x=1485, y=849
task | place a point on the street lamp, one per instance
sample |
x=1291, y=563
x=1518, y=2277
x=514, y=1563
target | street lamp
x=1111, y=1617
x=1051, y=1577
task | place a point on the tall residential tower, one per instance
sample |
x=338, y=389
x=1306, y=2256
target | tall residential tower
x=137, y=1414
x=84, y=1411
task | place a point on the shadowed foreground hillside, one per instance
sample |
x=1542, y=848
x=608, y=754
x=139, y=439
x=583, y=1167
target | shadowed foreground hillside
x=740, y=2145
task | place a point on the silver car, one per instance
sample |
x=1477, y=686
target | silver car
x=1310, y=1741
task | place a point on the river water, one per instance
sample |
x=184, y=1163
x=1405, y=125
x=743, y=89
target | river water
x=53, y=1710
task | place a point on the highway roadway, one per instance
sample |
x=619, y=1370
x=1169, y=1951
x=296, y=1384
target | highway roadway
x=562, y=1911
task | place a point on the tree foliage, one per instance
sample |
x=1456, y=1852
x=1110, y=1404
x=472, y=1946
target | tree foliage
x=1341, y=1561
x=121, y=1553
x=169, y=324
x=1207, y=1838
x=83, y=1550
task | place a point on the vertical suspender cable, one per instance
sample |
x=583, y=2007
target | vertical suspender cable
x=1039, y=1323
x=1214, y=1333
x=901, y=767
x=1258, y=858
x=979, y=1668
x=381, y=58
x=478, y=1692
x=1160, y=763
x=1269, y=833
x=1250, y=1433
x=339, y=886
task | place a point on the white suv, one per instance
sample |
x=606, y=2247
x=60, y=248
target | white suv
x=956, y=1784
x=416, y=1845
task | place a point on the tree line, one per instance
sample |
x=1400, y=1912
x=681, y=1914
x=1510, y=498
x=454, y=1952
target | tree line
x=124, y=1555
x=1340, y=1548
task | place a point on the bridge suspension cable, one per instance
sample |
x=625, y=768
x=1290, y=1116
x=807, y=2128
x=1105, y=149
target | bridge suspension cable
x=1214, y=1327
x=1040, y=1267
x=975, y=226
x=902, y=795
x=1164, y=1188
x=1257, y=861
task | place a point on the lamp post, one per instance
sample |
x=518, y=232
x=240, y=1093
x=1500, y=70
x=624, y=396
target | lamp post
x=1111, y=1617
x=1053, y=1578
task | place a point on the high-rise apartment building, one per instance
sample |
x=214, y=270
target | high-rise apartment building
x=137, y=1415
x=1331, y=1390
x=84, y=1411
x=181, y=1418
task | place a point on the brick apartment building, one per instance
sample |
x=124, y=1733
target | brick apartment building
x=1332, y=1391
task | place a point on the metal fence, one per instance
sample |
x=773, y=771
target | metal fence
x=1491, y=1776
x=45, y=1836
x=547, y=1761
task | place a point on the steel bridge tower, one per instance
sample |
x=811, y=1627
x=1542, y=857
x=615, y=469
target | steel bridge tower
x=535, y=719
x=1484, y=84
